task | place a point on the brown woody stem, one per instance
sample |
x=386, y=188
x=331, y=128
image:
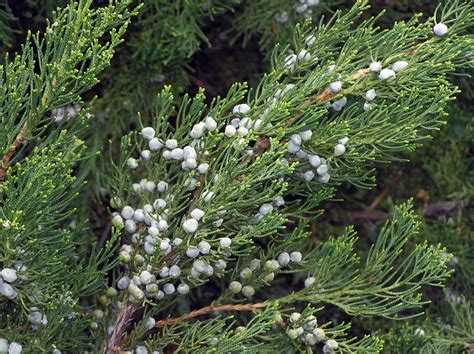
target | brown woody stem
x=8, y=155
x=206, y=310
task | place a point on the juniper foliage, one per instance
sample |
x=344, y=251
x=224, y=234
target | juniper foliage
x=210, y=245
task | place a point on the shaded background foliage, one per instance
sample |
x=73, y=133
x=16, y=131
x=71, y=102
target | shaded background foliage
x=213, y=44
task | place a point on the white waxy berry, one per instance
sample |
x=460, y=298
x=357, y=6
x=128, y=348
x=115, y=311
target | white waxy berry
x=235, y=287
x=171, y=144
x=8, y=291
x=15, y=348
x=211, y=124
x=269, y=266
x=220, y=264
x=255, y=264
x=343, y=141
x=146, y=277
x=9, y=275
x=122, y=283
x=192, y=252
x=266, y=208
x=150, y=186
x=203, y=168
x=370, y=95
x=314, y=160
x=204, y=247
x=230, y=131
x=310, y=339
x=309, y=281
x=164, y=245
x=183, y=289
x=304, y=55
x=177, y=154
x=3, y=346
x=159, y=204
x=149, y=248
x=169, y=288
x=225, y=242
x=367, y=106
x=155, y=144
x=241, y=109
x=209, y=271
x=295, y=316
x=312, y=2
x=306, y=135
x=190, y=225
x=292, y=333
x=248, y=291
x=130, y=226
x=332, y=344
x=293, y=148
x=319, y=333
x=199, y=265
x=189, y=164
x=279, y=201
x=257, y=124
x=197, y=213
x=290, y=61
x=269, y=277
x=198, y=130
x=242, y=131
x=296, y=139
x=339, y=104
x=148, y=133
x=310, y=40
x=150, y=323
x=175, y=271
x=399, y=65
x=167, y=154
x=159, y=295
x=246, y=273
x=335, y=87
x=322, y=169
x=218, y=223
x=308, y=176
x=235, y=122
x=189, y=153
x=284, y=258
x=331, y=69
x=440, y=29
x=177, y=241
x=375, y=66
x=339, y=149
x=164, y=272
x=117, y=221
x=132, y=163
x=162, y=186
x=301, y=8
x=162, y=225
x=324, y=178
x=386, y=74
x=153, y=231
x=246, y=122
x=208, y=196
x=296, y=257
x=146, y=154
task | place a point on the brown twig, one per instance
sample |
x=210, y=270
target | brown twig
x=207, y=309
x=123, y=319
x=8, y=155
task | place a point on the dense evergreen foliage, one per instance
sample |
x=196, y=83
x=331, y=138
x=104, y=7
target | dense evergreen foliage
x=151, y=201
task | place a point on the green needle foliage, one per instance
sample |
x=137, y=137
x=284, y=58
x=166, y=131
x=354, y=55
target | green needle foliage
x=210, y=243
